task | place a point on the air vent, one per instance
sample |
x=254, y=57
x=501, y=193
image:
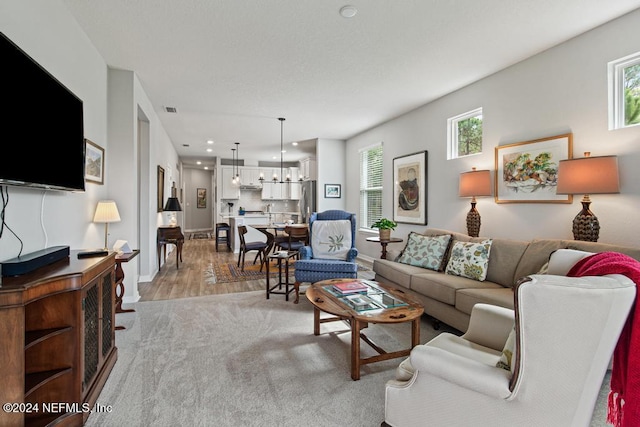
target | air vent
x=171, y=109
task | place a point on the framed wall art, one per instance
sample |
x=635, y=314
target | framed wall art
x=93, y=162
x=160, y=184
x=332, y=191
x=201, y=198
x=410, y=188
x=527, y=172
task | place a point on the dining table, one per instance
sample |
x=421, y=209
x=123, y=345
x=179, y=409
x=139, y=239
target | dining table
x=270, y=230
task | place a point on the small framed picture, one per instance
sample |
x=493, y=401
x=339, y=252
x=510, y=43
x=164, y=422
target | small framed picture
x=93, y=163
x=332, y=191
x=201, y=198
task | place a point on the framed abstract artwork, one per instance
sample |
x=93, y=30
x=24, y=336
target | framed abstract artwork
x=527, y=172
x=410, y=188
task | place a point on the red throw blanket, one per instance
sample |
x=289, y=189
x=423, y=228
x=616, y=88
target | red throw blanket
x=624, y=396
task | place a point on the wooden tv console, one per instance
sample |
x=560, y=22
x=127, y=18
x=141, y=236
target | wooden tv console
x=57, y=341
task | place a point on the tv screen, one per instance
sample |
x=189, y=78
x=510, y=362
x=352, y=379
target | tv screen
x=42, y=126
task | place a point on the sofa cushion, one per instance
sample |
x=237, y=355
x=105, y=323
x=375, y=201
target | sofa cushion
x=536, y=254
x=468, y=297
x=397, y=272
x=331, y=239
x=425, y=251
x=443, y=287
x=504, y=259
x=469, y=259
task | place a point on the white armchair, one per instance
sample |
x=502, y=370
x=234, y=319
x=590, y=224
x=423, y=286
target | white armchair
x=566, y=330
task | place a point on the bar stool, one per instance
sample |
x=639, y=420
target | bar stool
x=223, y=226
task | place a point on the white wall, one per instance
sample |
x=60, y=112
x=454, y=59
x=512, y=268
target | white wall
x=113, y=102
x=46, y=32
x=331, y=164
x=560, y=90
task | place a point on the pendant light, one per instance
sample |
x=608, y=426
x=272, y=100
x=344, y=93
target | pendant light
x=233, y=168
x=237, y=177
x=275, y=179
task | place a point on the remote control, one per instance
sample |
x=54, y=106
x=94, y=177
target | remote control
x=90, y=254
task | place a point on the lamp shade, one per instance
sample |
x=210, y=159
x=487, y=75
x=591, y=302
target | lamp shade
x=173, y=205
x=475, y=183
x=106, y=211
x=588, y=175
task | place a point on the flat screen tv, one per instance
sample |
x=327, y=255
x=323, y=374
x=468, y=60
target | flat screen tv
x=42, y=134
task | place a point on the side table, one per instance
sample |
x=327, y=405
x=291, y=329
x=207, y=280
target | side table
x=282, y=262
x=384, y=243
x=119, y=283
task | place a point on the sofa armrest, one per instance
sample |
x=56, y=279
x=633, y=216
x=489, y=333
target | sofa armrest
x=467, y=373
x=352, y=255
x=490, y=325
x=305, y=252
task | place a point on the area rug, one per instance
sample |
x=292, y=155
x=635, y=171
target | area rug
x=242, y=360
x=201, y=235
x=230, y=272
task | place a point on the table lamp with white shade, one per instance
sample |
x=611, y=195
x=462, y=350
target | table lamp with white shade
x=106, y=212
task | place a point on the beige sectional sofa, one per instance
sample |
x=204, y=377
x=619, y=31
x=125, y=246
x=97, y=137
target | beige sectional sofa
x=449, y=298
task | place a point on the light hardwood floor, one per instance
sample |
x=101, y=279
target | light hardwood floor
x=189, y=280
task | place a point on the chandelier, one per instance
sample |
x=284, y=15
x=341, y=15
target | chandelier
x=287, y=179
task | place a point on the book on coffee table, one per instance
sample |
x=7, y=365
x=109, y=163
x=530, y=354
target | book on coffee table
x=346, y=288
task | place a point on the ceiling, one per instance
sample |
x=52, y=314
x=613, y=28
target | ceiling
x=232, y=67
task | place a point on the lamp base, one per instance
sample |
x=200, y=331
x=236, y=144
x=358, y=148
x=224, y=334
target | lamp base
x=586, y=226
x=473, y=221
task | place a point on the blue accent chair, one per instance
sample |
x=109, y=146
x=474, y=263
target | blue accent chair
x=310, y=270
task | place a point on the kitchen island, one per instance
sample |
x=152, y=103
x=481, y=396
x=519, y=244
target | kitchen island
x=249, y=219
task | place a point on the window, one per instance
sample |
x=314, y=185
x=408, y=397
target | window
x=464, y=134
x=370, y=185
x=624, y=92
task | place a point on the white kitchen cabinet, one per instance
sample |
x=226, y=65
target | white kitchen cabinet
x=294, y=187
x=308, y=169
x=229, y=191
x=249, y=175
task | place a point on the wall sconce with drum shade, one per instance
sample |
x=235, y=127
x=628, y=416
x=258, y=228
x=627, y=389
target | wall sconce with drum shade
x=588, y=175
x=173, y=206
x=474, y=184
x=106, y=212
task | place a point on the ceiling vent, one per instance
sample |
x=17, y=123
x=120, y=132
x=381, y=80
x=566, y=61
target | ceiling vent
x=171, y=109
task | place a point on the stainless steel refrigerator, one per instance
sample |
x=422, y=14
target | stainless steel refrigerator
x=307, y=200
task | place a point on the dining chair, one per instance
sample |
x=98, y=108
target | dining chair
x=245, y=247
x=297, y=237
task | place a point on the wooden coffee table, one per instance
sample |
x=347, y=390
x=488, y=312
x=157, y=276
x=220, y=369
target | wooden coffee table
x=325, y=301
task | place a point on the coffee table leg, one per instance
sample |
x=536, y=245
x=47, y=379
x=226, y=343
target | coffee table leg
x=415, y=332
x=355, y=349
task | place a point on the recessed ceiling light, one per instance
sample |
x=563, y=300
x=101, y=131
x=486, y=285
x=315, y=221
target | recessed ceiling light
x=209, y=150
x=206, y=168
x=210, y=141
x=348, y=11
x=283, y=151
x=295, y=144
x=198, y=162
x=274, y=157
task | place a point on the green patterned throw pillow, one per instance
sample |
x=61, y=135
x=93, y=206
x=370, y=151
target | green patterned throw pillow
x=425, y=251
x=469, y=259
x=508, y=352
